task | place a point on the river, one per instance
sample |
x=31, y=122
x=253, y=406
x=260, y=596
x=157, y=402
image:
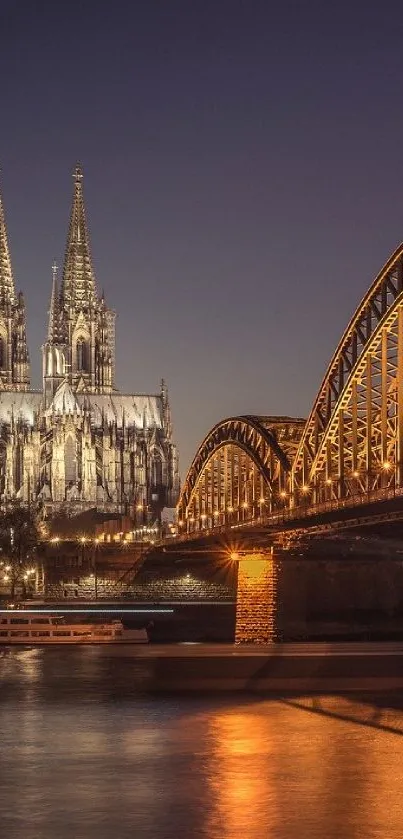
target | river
x=85, y=754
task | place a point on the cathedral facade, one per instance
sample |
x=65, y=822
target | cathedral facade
x=78, y=442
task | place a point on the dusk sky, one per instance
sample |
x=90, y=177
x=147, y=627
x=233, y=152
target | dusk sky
x=243, y=178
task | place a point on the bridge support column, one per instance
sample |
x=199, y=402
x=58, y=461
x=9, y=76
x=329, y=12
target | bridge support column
x=256, y=599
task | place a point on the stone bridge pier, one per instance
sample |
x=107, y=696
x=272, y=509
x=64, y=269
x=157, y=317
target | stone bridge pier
x=256, y=601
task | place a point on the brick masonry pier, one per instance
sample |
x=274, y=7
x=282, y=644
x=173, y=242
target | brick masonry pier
x=256, y=600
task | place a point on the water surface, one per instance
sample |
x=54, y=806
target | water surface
x=85, y=754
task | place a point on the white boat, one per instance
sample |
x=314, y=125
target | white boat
x=35, y=628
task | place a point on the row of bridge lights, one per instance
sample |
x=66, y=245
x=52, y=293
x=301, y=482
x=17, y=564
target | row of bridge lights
x=244, y=506
x=386, y=467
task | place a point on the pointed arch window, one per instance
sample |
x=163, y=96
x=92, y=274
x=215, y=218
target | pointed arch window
x=3, y=467
x=3, y=354
x=156, y=469
x=83, y=355
x=70, y=461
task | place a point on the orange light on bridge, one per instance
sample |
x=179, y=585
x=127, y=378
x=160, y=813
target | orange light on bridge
x=305, y=489
x=230, y=509
x=234, y=556
x=355, y=474
x=386, y=465
x=328, y=481
x=283, y=494
x=262, y=501
x=245, y=505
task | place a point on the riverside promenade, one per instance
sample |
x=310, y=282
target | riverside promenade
x=271, y=668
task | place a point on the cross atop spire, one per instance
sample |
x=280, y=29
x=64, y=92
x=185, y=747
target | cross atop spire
x=78, y=283
x=7, y=289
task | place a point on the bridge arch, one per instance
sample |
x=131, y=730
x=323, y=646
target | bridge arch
x=239, y=473
x=352, y=442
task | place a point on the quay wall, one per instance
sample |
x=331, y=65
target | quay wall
x=314, y=596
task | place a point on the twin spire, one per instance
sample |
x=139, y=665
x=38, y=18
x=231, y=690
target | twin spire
x=78, y=284
x=81, y=329
x=78, y=289
x=7, y=288
x=14, y=356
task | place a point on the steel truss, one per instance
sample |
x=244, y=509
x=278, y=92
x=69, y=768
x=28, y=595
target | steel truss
x=352, y=443
x=240, y=472
x=350, y=449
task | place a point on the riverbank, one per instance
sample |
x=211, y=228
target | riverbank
x=273, y=669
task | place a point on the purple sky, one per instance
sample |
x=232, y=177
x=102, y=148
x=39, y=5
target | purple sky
x=243, y=176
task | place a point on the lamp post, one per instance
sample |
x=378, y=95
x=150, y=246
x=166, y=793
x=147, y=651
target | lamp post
x=96, y=546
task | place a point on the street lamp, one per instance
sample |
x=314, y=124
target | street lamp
x=96, y=546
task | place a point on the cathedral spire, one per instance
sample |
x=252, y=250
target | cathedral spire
x=78, y=283
x=7, y=289
x=166, y=410
x=14, y=358
x=53, y=326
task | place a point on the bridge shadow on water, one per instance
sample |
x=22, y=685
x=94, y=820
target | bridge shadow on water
x=380, y=711
x=89, y=676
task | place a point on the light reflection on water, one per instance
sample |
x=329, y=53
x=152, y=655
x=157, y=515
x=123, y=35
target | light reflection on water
x=85, y=754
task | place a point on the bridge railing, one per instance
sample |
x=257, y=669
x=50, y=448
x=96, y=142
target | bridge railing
x=302, y=511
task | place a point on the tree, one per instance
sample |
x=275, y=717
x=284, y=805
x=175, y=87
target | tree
x=19, y=540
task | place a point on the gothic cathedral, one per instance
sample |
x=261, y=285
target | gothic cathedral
x=78, y=443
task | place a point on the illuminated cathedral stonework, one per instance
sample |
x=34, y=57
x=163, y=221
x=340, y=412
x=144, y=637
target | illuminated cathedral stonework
x=78, y=442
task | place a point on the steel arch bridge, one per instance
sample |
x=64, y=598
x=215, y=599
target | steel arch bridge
x=240, y=471
x=348, y=451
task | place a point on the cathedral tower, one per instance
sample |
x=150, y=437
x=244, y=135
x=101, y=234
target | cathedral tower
x=14, y=357
x=81, y=331
x=77, y=443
